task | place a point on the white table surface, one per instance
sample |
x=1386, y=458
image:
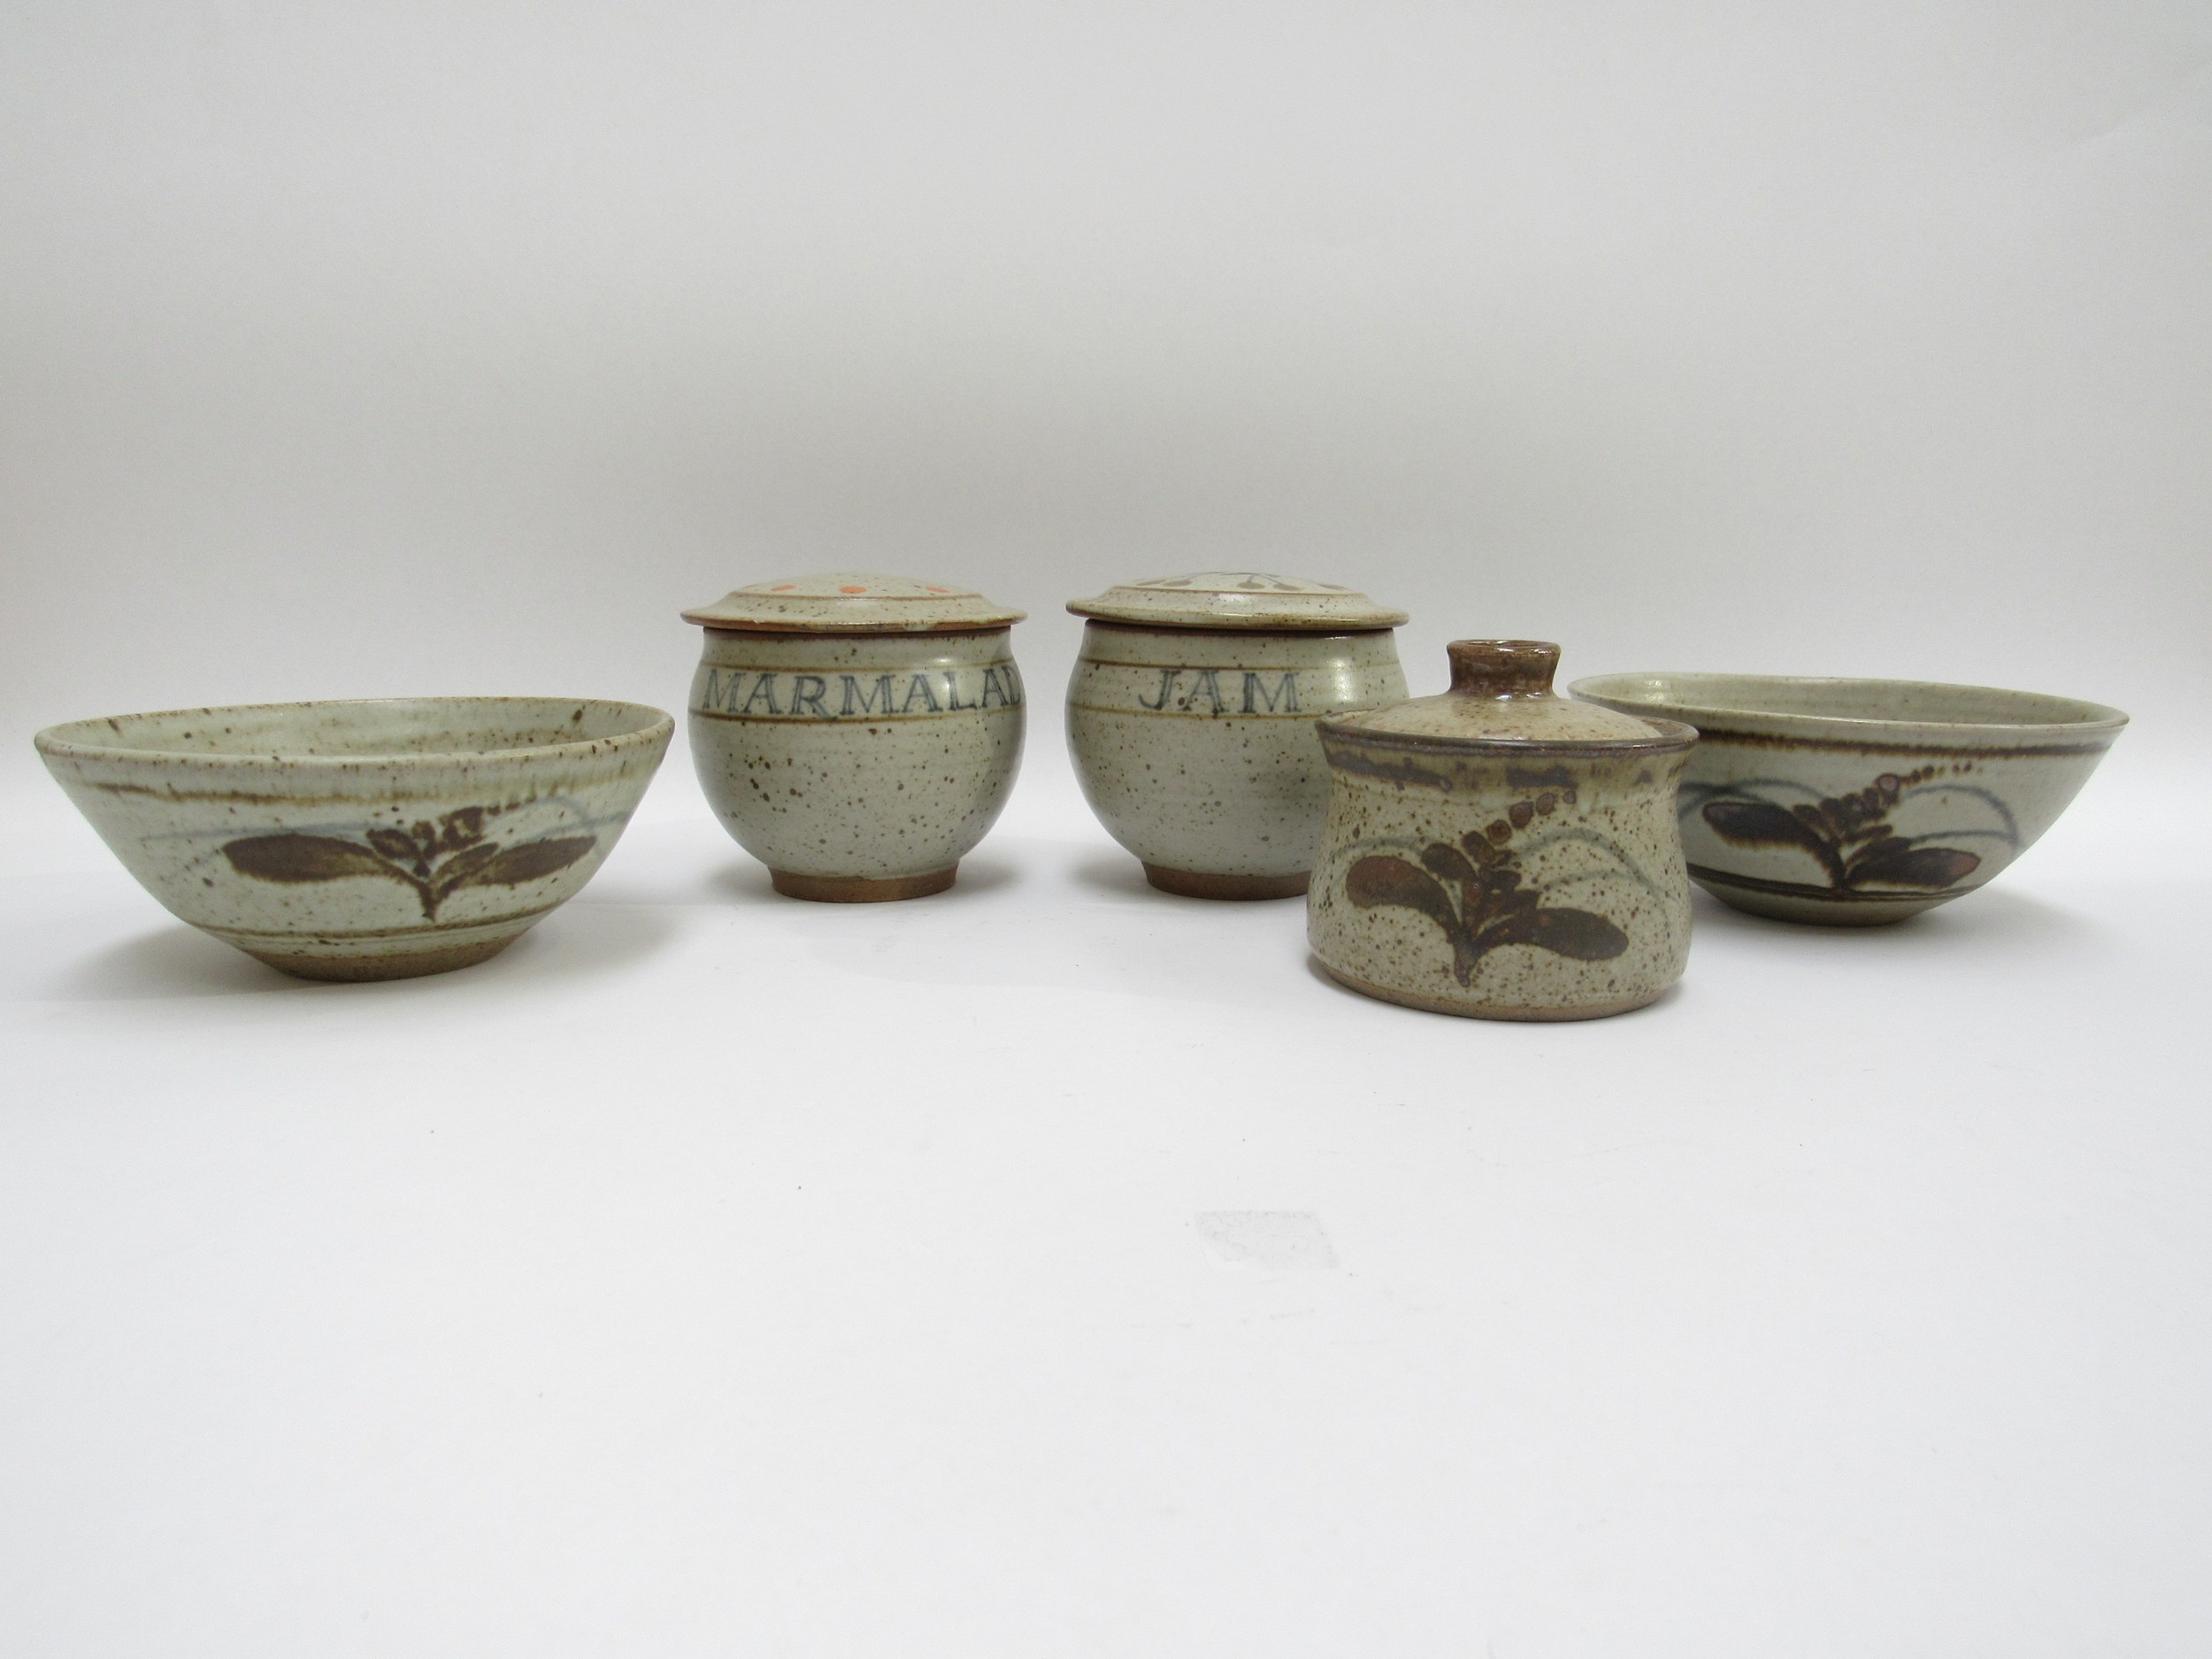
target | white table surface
x=1054, y=1267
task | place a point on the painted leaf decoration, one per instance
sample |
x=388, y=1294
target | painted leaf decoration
x=1497, y=894
x=457, y=871
x=302, y=858
x=1906, y=866
x=1885, y=844
x=1387, y=880
x=1583, y=934
x=1759, y=824
x=394, y=844
x=1478, y=847
x=1444, y=859
x=529, y=862
x=464, y=828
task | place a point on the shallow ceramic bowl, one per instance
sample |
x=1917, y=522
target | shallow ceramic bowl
x=363, y=840
x=1863, y=801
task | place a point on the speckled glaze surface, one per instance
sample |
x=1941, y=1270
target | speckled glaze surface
x=859, y=766
x=1500, y=852
x=363, y=840
x=853, y=602
x=1195, y=745
x=1238, y=599
x=1856, y=802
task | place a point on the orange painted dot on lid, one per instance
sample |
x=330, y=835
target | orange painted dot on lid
x=934, y=589
x=783, y=587
x=852, y=590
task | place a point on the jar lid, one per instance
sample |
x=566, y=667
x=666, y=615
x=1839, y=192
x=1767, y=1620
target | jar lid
x=1501, y=697
x=1238, y=599
x=853, y=602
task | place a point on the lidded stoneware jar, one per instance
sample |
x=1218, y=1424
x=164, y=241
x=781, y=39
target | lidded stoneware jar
x=1191, y=720
x=1501, y=852
x=856, y=733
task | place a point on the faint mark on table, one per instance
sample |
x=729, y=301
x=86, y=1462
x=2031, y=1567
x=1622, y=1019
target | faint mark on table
x=1285, y=1240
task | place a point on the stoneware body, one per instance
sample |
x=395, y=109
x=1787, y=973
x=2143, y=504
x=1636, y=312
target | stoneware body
x=363, y=840
x=1498, y=852
x=1196, y=744
x=1863, y=801
x=859, y=764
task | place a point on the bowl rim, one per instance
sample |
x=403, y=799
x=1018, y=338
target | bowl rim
x=57, y=741
x=2092, y=718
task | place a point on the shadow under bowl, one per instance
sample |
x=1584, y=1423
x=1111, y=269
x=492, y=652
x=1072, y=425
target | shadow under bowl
x=370, y=840
x=1860, y=802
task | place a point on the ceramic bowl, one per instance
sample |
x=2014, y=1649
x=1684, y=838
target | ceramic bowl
x=1501, y=852
x=1190, y=720
x=363, y=840
x=1863, y=801
x=856, y=733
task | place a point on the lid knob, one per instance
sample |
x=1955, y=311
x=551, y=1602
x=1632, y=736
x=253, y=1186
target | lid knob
x=1502, y=668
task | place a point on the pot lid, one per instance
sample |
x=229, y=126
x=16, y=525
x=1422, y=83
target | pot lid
x=853, y=602
x=1502, y=694
x=1238, y=599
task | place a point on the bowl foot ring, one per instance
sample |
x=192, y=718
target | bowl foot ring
x=861, y=889
x=1796, y=901
x=1199, y=884
x=394, y=964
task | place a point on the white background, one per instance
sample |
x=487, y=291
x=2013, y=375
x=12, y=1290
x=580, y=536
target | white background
x=716, y=1274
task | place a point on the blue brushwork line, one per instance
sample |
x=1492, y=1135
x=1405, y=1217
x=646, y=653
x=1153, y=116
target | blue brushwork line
x=2012, y=827
x=1593, y=839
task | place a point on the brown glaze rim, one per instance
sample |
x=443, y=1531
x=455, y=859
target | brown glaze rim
x=1200, y=884
x=1855, y=733
x=861, y=889
x=659, y=727
x=1667, y=736
x=1320, y=631
x=884, y=630
x=1867, y=746
x=1519, y=1014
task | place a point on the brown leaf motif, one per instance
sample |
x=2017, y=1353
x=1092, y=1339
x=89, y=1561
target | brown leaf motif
x=300, y=858
x=1492, y=907
x=1849, y=835
x=435, y=860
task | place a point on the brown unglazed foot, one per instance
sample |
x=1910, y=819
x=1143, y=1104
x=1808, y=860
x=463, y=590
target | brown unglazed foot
x=1199, y=884
x=861, y=889
x=390, y=964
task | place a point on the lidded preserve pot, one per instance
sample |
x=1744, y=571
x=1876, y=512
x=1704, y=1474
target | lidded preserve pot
x=1502, y=852
x=857, y=733
x=1191, y=720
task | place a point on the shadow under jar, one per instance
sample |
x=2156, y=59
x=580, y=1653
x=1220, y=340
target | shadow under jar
x=1191, y=720
x=857, y=733
x=1501, y=852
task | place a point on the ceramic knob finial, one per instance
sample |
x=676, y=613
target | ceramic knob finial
x=1502, y=668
